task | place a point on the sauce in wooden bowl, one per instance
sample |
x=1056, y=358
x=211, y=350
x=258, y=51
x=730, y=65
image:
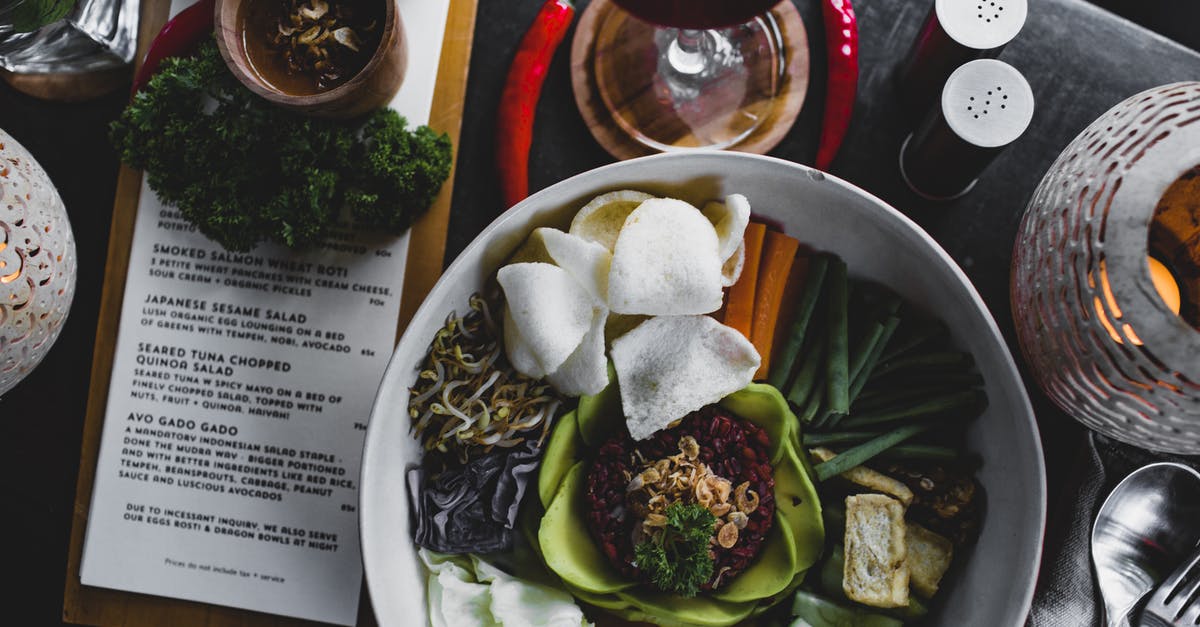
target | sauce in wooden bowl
x=306, y=47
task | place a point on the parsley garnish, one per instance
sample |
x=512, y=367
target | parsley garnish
x=677, y=559
x=243, y=170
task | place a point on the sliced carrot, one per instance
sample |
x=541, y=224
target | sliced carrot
x=779, y=251
x=739, y=306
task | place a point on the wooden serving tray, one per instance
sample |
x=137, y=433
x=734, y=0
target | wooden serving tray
x=427, y=245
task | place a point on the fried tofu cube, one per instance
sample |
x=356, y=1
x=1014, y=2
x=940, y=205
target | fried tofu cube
x=868, y=478
x=876, y=571
x=929, y=555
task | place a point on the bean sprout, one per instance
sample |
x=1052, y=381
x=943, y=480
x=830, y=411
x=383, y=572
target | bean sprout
x=468, y=398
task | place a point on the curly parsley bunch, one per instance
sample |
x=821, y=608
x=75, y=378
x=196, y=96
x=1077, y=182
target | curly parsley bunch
x=245, y=171
x=678, y=559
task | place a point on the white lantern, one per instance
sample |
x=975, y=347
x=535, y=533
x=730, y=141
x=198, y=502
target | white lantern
x=37, y=263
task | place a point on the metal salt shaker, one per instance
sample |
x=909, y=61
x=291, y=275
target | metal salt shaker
x=955, y=32
x=985, y=105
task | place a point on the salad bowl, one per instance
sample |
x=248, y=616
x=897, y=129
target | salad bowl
x=994, y=581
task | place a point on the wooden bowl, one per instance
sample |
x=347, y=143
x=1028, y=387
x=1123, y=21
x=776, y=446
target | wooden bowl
x=373, y=86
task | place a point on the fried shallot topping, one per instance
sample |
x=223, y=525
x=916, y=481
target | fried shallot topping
x=682, y=478
x=327, y=41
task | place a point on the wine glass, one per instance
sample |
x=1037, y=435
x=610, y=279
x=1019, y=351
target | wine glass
x=679, y=74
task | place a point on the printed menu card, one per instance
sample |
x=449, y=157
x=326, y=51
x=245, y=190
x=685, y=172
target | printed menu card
x=241, y=389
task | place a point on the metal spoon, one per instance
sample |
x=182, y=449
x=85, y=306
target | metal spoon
x=1147, y=525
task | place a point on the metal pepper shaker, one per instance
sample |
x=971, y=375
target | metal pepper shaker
x=955, y=32
x=985, y=106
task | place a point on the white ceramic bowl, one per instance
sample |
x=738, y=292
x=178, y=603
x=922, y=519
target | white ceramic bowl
x=992, y=583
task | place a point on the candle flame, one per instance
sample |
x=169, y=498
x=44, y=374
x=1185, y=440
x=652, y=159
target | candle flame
x=1164, y=284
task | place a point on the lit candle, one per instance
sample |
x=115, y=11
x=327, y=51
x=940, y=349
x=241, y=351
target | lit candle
x=1167, y=288
x=1164, y=284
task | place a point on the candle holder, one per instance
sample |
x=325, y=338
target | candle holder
x=37, y=263
x=1094, y=324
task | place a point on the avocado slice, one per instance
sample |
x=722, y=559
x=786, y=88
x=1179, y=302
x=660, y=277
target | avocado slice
x=796, y=503
x=770, y=572
x=609, y=601
x=599, y=415
x=560, y=453
x=567, y=545
x=670, y=610
x=763, y=405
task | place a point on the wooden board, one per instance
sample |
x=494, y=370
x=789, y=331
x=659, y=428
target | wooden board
x=427, y=246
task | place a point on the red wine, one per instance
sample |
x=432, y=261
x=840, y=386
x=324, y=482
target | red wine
x=696, y=13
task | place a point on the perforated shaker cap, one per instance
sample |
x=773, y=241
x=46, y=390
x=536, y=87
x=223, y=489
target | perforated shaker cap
x=988, y=103
x=981, y=24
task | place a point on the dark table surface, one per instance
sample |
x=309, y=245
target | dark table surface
x=1079, y=60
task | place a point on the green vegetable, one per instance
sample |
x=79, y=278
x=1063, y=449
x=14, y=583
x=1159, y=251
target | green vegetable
x=864, y=348
x=558, y=457
x=922, y=452
x=864, y=452
x=805, y=383
x=868, y=365
x=466, y=590
x=770, y=573
x=677, y=559
x=31, y=15
x=600, y=414
x=927, y=407
x=813, y=406
x=565, y=543
x=951, y=361
x=881, y=397
x=808, y=301
x=833, y=571
x=244, y=171
x=837, y=374
x=906, y=344
x=833, y=515
x=811, y=610
x=838, y=437
x=872, y=360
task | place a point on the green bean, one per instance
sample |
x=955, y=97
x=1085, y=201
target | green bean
x=813, y=405
x=881, y=397
x=865, y=347
x=838, y=437
x=805, y=379
x=908, y=343
x=929, y=407
x=866, y=451
x=837, y=370
x=872, y=361
x=922, y=452
x=864, y=373
x=940, y=359
x=782, y=368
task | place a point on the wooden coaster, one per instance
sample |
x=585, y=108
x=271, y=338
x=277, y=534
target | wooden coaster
x=785, y=106
x=68, y=86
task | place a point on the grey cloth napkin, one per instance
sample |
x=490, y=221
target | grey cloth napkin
x=1067, y=594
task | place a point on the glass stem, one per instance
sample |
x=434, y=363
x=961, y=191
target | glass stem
x=687, y=54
